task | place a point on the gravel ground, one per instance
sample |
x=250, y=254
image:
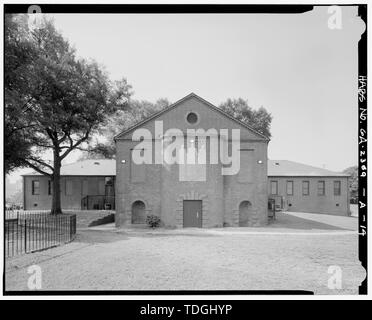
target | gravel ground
x=275, y=257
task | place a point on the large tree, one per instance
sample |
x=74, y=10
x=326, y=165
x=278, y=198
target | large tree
x=64, y=103
x=259, y=119
x=19, y=55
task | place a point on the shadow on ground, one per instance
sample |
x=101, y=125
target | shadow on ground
x=102, y=236
x=292, y=222
x=283, y=222
x=99, y=236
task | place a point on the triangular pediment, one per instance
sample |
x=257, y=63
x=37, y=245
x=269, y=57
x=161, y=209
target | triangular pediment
x=207, y=116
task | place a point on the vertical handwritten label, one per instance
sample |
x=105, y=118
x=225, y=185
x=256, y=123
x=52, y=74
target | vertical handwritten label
x=362, y=99
x=362, y=147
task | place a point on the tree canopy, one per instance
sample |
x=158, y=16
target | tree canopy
x=53, y=100
x=259, y=120
x=18, y=54
x=353, y=180
x=136, y=111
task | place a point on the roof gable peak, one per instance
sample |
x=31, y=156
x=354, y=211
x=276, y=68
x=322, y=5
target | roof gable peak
x=177, y=103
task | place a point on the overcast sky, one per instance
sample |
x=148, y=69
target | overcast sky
x=302, y=72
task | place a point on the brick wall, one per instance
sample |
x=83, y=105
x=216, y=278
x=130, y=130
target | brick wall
x=163, y=193
x=328, y=203
x=43, y=201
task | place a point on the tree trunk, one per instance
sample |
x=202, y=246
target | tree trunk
x=56, y=180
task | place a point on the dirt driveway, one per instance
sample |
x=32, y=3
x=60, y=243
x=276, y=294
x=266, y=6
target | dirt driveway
x=294, y=252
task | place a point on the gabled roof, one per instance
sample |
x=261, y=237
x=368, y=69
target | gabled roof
x=292, y=169
x=177, y=103
x=104, y=167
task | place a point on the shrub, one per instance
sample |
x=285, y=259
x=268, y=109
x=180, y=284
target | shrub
x=153, y=221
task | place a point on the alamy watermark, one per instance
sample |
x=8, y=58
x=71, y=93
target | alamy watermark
x=35, y=278
x=173, y=147
x=335, y=280
x=335, y=18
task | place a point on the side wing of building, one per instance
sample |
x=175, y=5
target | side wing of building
x=88, y=184
x=302, y=188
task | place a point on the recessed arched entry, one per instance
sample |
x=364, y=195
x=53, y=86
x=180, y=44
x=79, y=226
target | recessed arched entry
x=138, y=212
x=245, y=213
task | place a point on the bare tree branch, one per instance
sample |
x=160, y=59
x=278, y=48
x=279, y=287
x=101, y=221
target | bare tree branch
x=74, y=146
x=36, y=168
x=41, y=162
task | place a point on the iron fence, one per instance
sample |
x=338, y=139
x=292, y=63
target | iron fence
x=27, y=232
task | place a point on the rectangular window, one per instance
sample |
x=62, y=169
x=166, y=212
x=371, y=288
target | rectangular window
x=69, y=188
x=290, y=188
x=35, y=187
x=321, y=188
x=274, y=187
x=305, y=188
x=50, y=187
x=337, y=188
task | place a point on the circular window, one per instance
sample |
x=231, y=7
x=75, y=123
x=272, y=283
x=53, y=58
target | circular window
x=192, y=118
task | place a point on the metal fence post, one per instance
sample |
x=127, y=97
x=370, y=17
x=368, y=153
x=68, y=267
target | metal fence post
x=25, y=233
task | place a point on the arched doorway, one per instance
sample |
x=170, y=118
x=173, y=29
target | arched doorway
x=138, y=212
x=245, y=208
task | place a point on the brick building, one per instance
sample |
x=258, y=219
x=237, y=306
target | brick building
x=88, y=184
x=211, y=201
x=302, y=188
x=192, y=195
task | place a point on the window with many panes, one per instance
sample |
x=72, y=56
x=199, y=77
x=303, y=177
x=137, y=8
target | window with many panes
x=274, y=187
x=289, y=187
x=337, y=188
x=321, y=188
x=35, y=187
x=305, y=188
